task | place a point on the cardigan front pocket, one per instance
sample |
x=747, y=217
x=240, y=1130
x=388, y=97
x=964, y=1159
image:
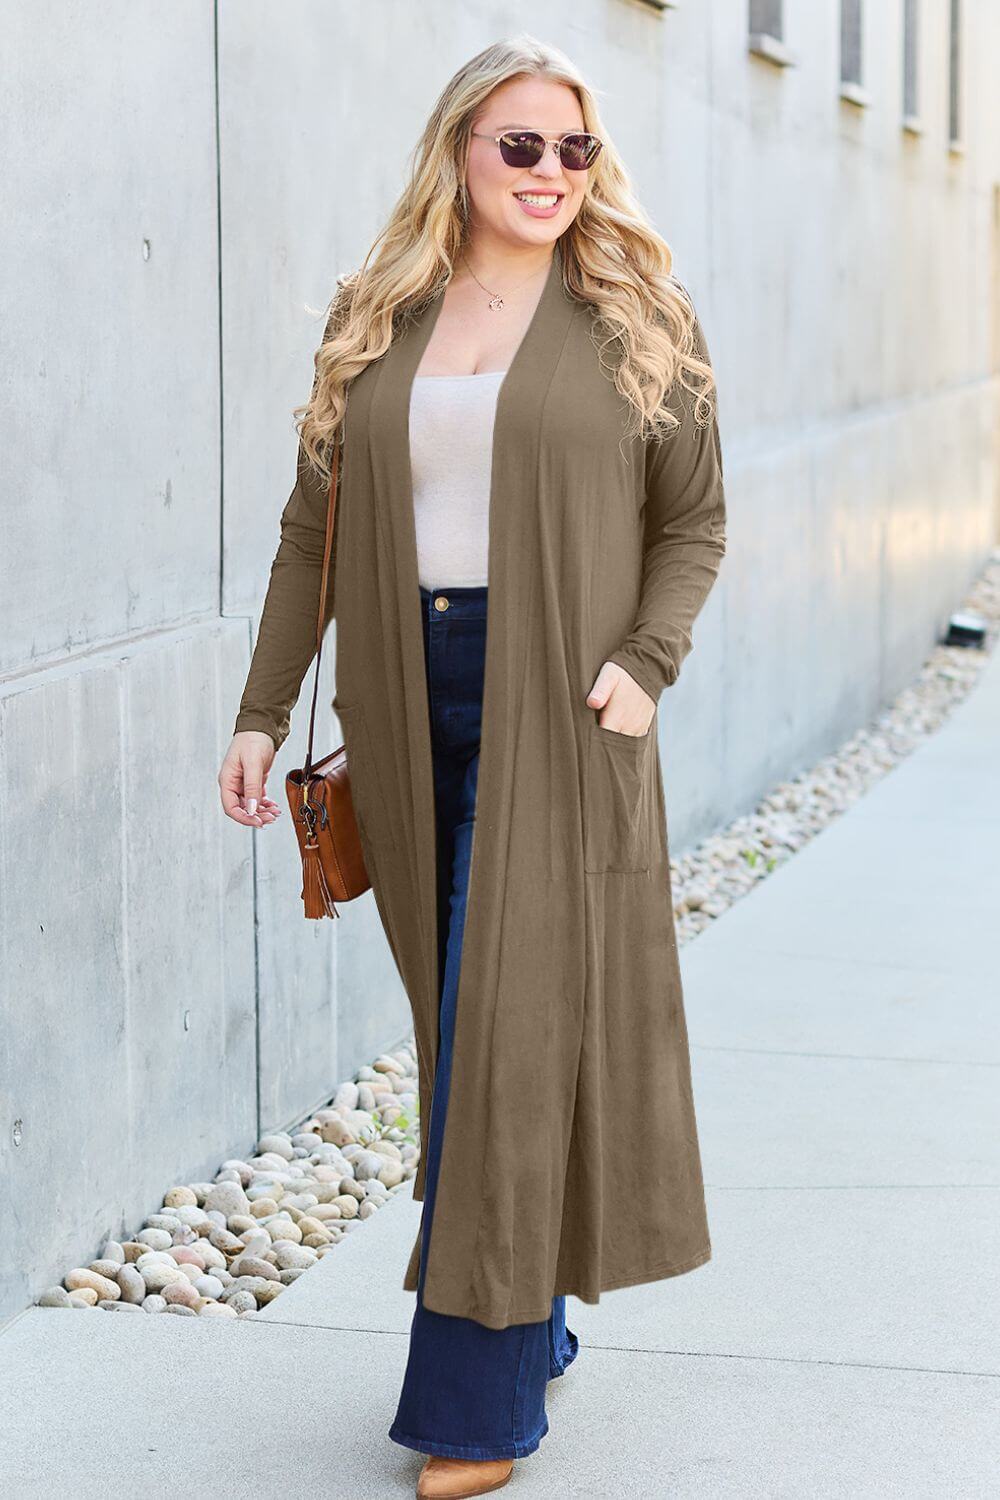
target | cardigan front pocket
x=618, y=801
x=370, y=807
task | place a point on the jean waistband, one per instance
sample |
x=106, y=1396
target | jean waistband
x=463, y=603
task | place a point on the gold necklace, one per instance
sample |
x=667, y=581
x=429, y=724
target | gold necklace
x=496, y=302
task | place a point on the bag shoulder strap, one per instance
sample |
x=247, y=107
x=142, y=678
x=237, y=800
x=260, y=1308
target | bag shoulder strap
x=327, y=548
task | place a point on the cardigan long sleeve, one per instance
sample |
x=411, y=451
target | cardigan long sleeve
x=286, y=639
x=684, y=541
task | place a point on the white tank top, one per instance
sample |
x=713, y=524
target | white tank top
x=451, y=452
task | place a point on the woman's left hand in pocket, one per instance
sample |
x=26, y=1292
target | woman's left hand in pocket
x=626, y=706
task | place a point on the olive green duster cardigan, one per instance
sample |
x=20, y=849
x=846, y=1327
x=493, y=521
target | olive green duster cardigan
x=570, y=1161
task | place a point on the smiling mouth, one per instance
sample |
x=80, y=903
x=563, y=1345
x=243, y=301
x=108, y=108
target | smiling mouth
x=540, y=200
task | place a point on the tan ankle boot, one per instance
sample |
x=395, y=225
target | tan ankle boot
x=458, y=1478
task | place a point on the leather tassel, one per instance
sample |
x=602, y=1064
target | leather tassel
x=315, y=892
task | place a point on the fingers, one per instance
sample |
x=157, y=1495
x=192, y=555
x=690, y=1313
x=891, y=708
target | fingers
x=253, y=784
x=243, y=790
x=268, y=810
x=603, y=684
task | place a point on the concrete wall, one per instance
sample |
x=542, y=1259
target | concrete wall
x=181, y=189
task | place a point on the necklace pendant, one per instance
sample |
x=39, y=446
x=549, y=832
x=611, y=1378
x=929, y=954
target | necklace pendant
x=496, y=301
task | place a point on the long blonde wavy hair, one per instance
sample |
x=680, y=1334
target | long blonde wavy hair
x=612, y=259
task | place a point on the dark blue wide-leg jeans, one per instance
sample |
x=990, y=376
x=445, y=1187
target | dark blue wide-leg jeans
x=469, y=1391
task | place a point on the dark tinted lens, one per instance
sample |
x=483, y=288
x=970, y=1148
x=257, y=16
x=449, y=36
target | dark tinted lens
x=522, y=148
x=578, y=152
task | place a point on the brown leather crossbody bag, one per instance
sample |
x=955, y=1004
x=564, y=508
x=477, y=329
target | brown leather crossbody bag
x=319, y=794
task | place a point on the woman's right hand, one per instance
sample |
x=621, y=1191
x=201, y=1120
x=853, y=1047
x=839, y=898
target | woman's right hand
x=243, y=779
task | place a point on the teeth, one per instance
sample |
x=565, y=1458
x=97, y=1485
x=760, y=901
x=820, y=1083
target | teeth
x=538, y=200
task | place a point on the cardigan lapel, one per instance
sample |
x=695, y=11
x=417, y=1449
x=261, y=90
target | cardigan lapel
x=521, y=393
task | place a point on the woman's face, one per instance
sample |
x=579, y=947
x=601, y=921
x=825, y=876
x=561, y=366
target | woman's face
x=493, y=187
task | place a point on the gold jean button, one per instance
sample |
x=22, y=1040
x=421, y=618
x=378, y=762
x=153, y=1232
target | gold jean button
x=441, y=603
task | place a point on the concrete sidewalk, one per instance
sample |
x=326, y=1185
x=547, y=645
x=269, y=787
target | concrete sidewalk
x=844, y=1340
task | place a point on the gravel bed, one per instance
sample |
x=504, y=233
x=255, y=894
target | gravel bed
x=227, y=1248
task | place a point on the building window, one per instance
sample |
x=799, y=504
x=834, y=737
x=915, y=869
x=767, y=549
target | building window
x=851, y=19
x=911, y=66
x=766, y=17
x=955, y=75
x=767, y=32
x=850, y=41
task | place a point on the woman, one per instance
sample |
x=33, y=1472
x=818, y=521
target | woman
x=529, y=408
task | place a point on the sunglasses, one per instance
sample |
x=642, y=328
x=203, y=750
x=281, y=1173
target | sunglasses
x=576, y=150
